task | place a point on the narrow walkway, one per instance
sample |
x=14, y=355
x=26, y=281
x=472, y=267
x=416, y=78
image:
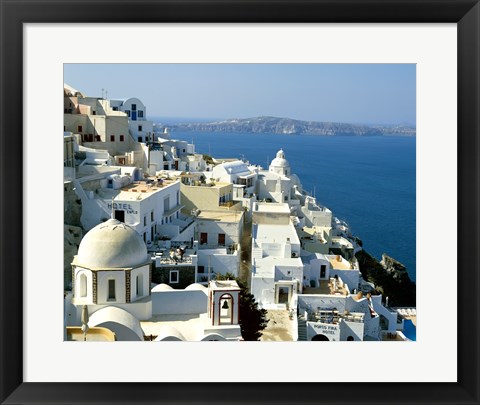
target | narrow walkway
x=279, y=327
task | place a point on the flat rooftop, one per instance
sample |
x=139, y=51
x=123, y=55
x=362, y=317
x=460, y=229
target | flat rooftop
x=224, y=284
x=326, y=288
x=339, y=264
x=266, y=233
x=134, y=191
x=221, y=215
x=272, y=207
x=96, y=334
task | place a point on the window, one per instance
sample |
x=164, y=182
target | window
x=221, y=239
x=139, y=285
x=115, y=108
x=128, y=113
x=139, y=128
x=145, y=220
x=94, y=113
x=173, y=276
x=80, y=128
x=111, y=289
x=83, y=285
x=140, y=114
x=134, y=107
x=97, y=138
x=323, y=270
x=112, y=138
x=166, y=204
x=152, y=216
x=140, y=139
x=201, y=269
x=203, y=238
x=122, y=138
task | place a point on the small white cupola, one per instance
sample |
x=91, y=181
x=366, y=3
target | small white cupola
x=280, y=165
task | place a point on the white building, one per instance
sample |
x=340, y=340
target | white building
x=219, y=235
x=240, y=175
x=151, y=207
x=277, y=270
x=343, y=318
x=172, y=154
x=140, y=128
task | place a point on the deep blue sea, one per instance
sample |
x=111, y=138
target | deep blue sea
x=409, y=330
x=368, y=181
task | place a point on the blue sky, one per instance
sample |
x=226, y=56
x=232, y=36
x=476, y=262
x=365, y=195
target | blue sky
x=352, y=93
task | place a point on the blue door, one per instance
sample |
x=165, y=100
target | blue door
x=134, y=115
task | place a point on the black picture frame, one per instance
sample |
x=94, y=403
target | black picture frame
x=465, y=13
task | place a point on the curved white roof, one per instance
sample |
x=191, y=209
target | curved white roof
x=161, y=287
x=123, y=323
x=196, y=286
x=213, y=336
x=112, y=244
x=236, y=167
x=169, y=333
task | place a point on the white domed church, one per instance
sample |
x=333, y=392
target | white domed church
x=112, y=268
x=111, y=280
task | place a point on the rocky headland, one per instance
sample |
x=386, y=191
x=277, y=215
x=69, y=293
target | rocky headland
x=390, y=278
x=288, y=126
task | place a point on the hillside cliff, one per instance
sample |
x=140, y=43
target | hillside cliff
x=275, y=125
x=390, y=278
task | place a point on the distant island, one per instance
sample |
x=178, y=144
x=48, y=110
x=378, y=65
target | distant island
x=275, y=125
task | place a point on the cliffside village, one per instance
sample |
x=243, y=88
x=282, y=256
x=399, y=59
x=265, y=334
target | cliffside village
x=153, y=229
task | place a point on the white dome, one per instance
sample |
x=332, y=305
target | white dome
x=280, y=160
x=196, y=286
x=169, y=333
x=112, y=244
x=162, y=287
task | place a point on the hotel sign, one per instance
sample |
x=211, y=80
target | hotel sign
x=325, y=329
x=122, y=206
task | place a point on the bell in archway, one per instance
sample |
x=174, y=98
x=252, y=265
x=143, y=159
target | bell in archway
x=225, y=305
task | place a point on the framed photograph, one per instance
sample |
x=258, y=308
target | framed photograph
x=440, y=38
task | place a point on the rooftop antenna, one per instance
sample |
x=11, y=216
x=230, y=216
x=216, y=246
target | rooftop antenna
x=102, y=92
x=106, y=94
